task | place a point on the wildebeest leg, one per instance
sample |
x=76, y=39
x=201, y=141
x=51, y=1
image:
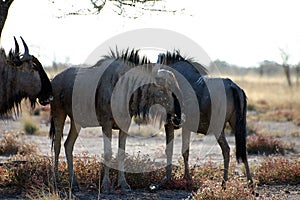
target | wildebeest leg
x=121, y=156
x=248, y=174
x=186, y=136
x=169, y=151
x=69, y=145
x=58, y=122
x=226, y=155
x=106, y=186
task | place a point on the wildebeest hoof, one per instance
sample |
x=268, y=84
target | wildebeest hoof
x=124, y=187
x=187, y=177
x=224, y=185
x=75, y=188
x=106, y=187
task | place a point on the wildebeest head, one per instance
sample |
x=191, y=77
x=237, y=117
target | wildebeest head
x=159, y=98
x=31, y=79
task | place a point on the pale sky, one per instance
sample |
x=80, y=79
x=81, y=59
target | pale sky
x=239, y=32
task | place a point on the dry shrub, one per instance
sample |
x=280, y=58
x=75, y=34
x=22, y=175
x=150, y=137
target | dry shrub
x=42, y=194
x=35, y=176
x=278, y=170
x=235, y=189
x=263, y=144
x=88, y=171
x=34, y=171
x=12, y=144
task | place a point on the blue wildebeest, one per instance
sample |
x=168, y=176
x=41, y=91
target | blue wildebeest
x=219, y=100
x=22, y=77
x=108, y=94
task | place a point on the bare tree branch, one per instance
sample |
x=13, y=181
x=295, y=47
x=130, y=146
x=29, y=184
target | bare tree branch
x=4, y=7
x=119, y=7
x=286, y=67
x=284, y=55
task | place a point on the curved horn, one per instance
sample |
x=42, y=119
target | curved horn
x=26, y=55
x=25, y=46
x=17, y=49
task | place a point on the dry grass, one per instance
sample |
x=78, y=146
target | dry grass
x=272, y=90
x=271, y=98
x=34, y=176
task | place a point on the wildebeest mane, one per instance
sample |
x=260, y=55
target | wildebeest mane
x=171, y=58
x=128, y=56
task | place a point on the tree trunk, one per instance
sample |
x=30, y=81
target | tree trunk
x=297, y=74
x=4, y=7
x=286, y=69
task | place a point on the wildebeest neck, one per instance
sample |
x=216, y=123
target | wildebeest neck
x=45, y=94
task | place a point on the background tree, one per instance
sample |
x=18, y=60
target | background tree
x=94, y=7
x=286, y=67
x=297, y=73
x=269, y=68
x=4, y=7
x=127, y=8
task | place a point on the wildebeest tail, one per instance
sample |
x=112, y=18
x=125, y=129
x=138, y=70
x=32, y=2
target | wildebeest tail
x=240, y=102
x=52, y=131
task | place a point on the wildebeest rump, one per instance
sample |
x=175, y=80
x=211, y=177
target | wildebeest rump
x=22, y=77
x=108, y=94
x=220, y=100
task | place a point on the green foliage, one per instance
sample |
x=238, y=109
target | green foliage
x=263, y=144
x=30, y=127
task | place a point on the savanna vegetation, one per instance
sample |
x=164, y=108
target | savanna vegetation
x=30, y=174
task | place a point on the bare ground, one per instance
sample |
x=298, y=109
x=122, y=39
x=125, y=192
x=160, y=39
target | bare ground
x=202, y=149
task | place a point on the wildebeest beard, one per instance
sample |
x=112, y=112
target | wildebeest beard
x=150, y=104
x=11, y=95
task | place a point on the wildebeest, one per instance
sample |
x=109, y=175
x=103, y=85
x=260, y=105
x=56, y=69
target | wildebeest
x=220, y=100
x=22, y=77
x=118, y=87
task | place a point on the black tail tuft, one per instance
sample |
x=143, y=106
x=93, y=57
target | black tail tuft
x=52, y=131
x=240, y=101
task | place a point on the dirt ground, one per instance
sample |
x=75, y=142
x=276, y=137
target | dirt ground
x=202, y=149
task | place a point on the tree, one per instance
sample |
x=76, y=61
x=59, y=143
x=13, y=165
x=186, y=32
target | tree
x=94, y=7
x=286, y=67
x=268, y=67
x=297, y=74
x=4, y=7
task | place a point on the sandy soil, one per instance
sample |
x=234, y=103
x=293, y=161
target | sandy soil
x=202, y=149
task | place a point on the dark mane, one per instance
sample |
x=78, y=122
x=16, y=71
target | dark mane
x=171, y=58
x=131, y=56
